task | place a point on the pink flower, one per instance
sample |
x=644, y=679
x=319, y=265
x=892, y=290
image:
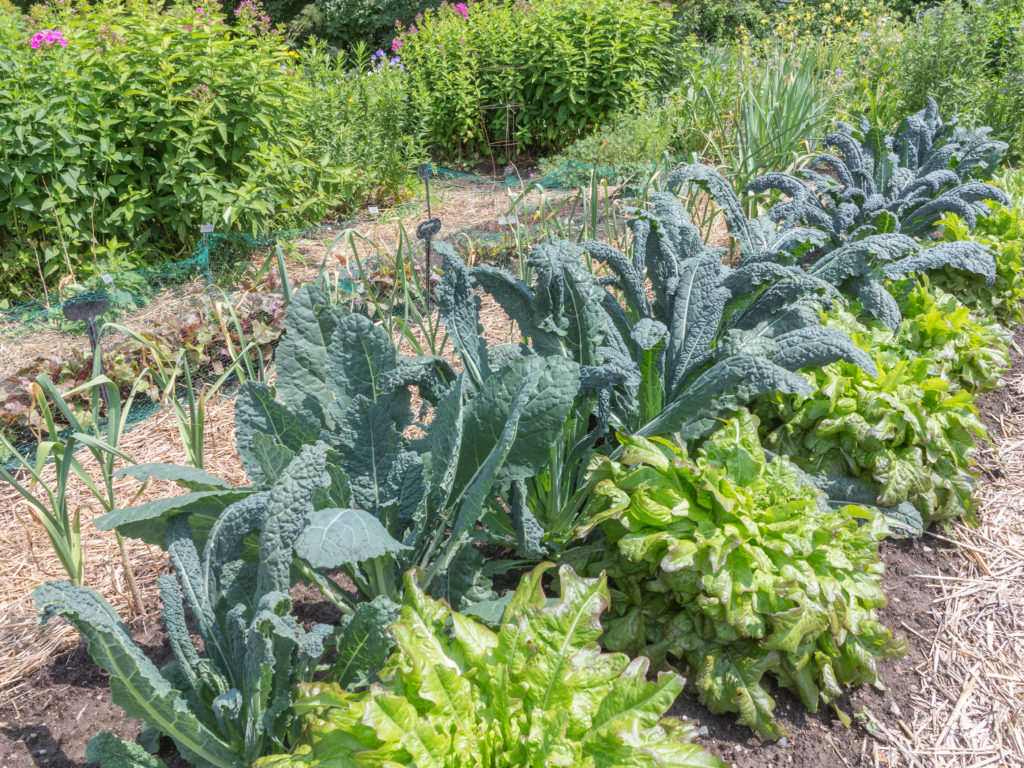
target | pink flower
x=63, y=43
x=396, y=44
x=34, y=43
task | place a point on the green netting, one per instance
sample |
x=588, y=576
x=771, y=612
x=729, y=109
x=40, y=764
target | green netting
x=35, y=336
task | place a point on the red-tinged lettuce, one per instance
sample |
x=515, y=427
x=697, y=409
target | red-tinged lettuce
x=538, y=692
x=726, y=564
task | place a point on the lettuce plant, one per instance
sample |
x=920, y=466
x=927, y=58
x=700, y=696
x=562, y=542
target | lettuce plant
x=537, y=692
x=725, y=564
x=1002, y=232
x=233, y=704
x=911, y=431
x=970, y=349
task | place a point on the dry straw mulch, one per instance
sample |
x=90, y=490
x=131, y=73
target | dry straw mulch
x=969, y=709
x=26, y=558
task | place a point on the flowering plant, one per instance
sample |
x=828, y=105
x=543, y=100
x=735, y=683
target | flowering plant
x=566, y=64
x=250, y=14
x=47, y=38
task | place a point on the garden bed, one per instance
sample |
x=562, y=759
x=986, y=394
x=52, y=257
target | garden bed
x=921, y=720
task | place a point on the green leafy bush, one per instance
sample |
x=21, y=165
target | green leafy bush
x=711, y=340
x=220, y=125
x=911, y=430
x=536, y=692
x=573, y=64
x=744, y=19
x=361, y=116
x=626, y=148
x=726, y=563
x=119, y=144
x=347, y=22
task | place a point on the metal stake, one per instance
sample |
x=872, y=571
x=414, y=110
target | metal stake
x=87, y=307
x=427, y=229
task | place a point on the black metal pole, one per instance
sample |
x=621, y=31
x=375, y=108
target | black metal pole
x=427, y=229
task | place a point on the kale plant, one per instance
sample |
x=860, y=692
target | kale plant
x=228, y=707
x=710, y=341
x=860, y=267
x=882, y=183
x=402, y=492
x=726, y=563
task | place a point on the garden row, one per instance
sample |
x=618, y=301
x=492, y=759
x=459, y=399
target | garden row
x=129, y=125
x=710, y=444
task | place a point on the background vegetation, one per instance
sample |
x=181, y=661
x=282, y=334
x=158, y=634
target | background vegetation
x=259, y=119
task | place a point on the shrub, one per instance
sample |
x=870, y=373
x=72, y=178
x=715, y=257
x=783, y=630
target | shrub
x=628, y=146
x=573, y=64
x=142, y=126
x=381, y=129
x=346, y=22
x=742, y=19
x=725, y=19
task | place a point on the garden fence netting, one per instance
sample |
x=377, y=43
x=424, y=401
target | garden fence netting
x=35, y=337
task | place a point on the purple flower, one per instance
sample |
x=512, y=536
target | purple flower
x=47, y=37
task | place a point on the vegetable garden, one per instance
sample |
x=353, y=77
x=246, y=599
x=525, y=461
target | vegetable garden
x=713, y=460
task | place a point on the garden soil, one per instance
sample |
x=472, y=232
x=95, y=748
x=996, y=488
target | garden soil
x=63, y=704
x=70, y=698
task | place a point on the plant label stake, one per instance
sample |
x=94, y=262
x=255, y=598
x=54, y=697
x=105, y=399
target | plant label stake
x=87, y=307
x=427, y=229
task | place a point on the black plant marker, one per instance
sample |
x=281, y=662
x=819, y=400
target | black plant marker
x=87, y=307
x=427, y=229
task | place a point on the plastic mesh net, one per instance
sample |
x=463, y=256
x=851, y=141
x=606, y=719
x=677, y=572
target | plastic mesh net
x=36, y=337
